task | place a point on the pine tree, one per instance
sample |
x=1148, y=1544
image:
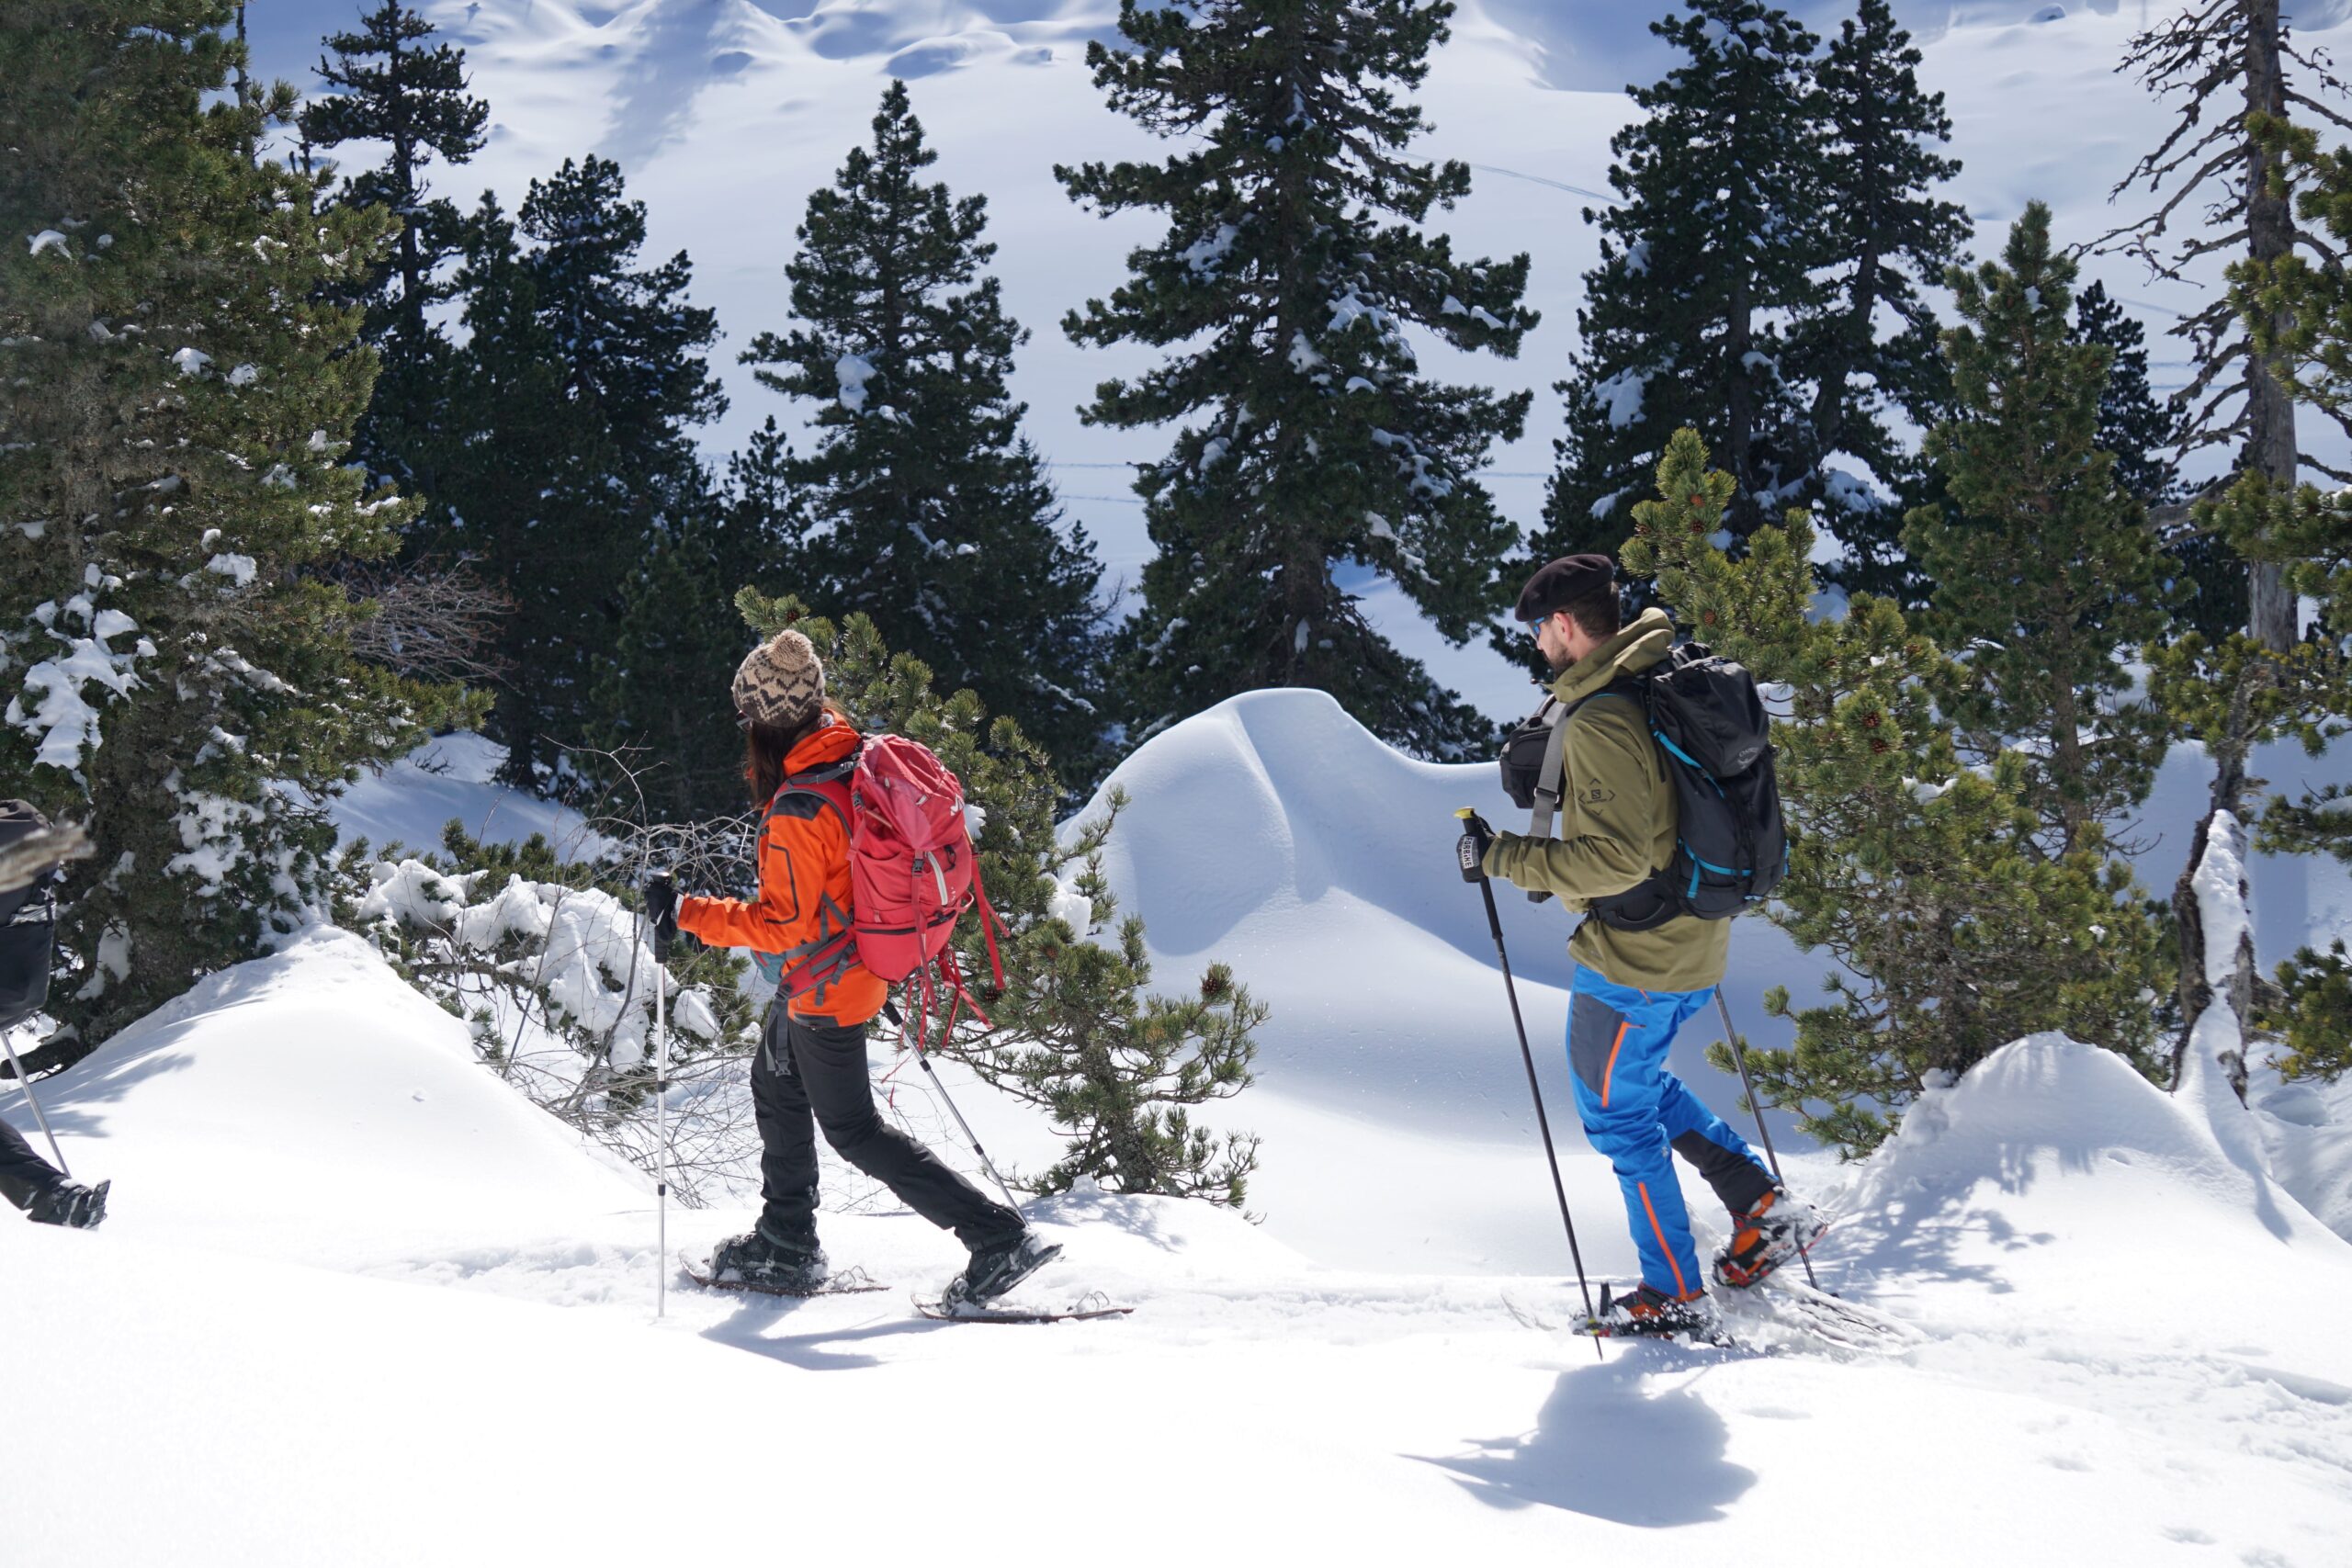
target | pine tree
x=2047, y=576
x=659, y=712
x=584, y=377
x=1894, y=236
x=1719, y=237
x=1955, y=933
x=767, y=518
x=1077, y=1030
x=178, y=387
x=927, y=509
x=1294, y=266
x=2140, y=432
x=2143, y=432
x=390, y=86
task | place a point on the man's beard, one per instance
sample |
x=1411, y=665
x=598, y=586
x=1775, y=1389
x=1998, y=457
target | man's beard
x=1558, y=662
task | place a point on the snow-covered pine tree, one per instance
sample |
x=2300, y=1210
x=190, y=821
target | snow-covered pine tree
x=573, y=454
x=1955, y=933
x=177, y=389
x=1295, y=266
x=1721, y=237
x=2047, y=576
x=389, y=85
x=1078, y=1031
x=1890, y=235
x=926, y=508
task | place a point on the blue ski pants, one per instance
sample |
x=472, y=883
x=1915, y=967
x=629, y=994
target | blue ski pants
x=1638, y=1114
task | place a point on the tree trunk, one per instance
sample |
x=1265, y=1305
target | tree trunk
x=2271, y=236
x=1739, y=412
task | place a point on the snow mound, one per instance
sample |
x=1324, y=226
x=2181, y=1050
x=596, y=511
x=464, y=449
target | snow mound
x=2053, y=1171
x=278, y=1101
x=456, y=777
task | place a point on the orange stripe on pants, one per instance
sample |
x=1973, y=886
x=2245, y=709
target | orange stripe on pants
x=1610, y=1070
x=1680, y=1286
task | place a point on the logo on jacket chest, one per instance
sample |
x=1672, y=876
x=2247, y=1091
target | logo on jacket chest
x=1593, y=794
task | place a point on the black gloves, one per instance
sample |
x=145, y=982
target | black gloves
x=1471, y=850
x=661, y=909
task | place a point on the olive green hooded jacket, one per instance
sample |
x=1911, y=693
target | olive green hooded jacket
x=1616, y=824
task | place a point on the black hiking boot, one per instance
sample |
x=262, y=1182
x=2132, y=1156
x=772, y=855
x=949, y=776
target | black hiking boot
x=70, y=1205
x=1647, y=1312
x=997, y=1267
x=797, y=1267
x=1778, y=1228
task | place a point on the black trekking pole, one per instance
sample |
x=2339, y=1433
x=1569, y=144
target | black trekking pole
x=1739, y=1055
x=1474, y=836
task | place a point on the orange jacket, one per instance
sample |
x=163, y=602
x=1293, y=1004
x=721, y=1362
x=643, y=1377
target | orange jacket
x=804, y=862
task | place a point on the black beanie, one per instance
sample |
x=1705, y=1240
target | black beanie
x=1560, y=584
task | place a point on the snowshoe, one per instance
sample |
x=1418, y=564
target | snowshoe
x=757, y=1263
x=70, y=1205
x=1778, y=1228
x=1647, y=1312
x=1094, y=1304
x=996, y=1268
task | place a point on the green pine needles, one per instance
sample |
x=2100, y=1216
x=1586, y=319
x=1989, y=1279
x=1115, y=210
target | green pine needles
x=1286, y=290
x=2045, y=570
x=922, y=505
x=1761, y=283
x=178, y=387
x=1955, y=929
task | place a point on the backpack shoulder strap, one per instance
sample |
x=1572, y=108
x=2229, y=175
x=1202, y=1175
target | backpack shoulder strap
x=1549, y=780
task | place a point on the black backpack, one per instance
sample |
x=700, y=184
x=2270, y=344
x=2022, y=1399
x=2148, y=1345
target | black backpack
x=28, y=923
x=1731, y=845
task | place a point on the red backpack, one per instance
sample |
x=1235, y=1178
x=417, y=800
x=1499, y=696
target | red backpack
x=912, y=875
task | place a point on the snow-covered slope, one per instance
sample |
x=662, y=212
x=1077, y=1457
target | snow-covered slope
x=455, y=778
x=1273, y=832
x=210, y=1383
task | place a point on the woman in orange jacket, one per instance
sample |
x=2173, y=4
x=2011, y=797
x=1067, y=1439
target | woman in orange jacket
x=811, y=1069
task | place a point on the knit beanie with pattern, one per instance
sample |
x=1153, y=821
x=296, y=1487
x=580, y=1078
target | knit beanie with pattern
x=780, y=681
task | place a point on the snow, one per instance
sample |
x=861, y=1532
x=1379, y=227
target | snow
x=2220, y=898
x=61, y=719
x=454, y=779
x=51, y=239
x=852, y=371
x=191, y=361
x=311, y=1156
x=393, y=1195
x=1620, y=396
x=238, y=569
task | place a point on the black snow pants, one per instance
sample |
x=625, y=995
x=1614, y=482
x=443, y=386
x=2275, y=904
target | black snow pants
x=24, y=1175
x=811, y=1073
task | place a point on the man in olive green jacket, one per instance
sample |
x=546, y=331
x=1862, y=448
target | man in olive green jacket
x=1633, y=988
